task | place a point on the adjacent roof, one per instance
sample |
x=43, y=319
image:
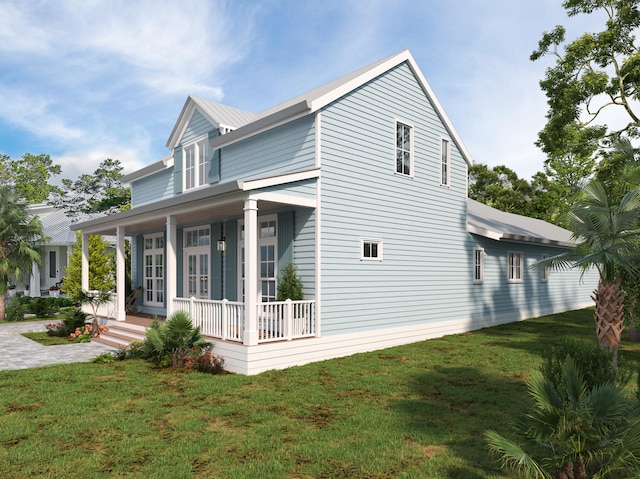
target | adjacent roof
x=56, y=226
x=491, y=223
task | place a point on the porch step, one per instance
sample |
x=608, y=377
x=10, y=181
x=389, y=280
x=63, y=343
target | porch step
x=121, y=334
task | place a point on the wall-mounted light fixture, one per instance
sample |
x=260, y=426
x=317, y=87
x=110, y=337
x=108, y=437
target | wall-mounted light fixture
x=222, y=244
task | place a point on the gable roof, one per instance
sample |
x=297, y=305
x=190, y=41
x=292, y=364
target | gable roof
x=314, y=100
x=491, y=223
x=217, y=114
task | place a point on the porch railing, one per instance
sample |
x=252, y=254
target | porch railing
x=277, y=321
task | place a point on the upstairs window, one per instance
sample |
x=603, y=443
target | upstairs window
x=444, y=162
x=404, y=149
x=196, y=166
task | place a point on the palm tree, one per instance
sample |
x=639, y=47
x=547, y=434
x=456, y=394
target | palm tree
x=19, y=234
x=94, y=299
x=577, y=432
x=608, y=239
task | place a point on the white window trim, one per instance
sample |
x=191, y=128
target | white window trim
x=544, y=272
x=199, y=249
x=198, y=182
x=510, y=269
x=268, y=241
x=395, y=148
x=444, y=140
x=376, y=241
x=475, y=265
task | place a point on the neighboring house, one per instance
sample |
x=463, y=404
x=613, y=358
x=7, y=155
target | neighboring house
x=362, y=184
x=55, y=252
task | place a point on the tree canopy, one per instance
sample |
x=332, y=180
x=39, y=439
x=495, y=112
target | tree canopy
x=29, y=177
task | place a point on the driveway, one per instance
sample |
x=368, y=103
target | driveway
x=18, y=352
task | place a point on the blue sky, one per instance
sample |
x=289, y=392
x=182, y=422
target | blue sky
x=86, y=80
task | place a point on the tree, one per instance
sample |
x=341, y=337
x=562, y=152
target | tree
x=592, y=75
x=573, y=431
x=19, y=235
x=94, y=299
x=609, y=240
x=101, y=192
x=101, y=267
x=29, y=176
x=499, y=187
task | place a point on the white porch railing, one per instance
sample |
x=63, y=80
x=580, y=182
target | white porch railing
x=218, y=319
x=277, y=321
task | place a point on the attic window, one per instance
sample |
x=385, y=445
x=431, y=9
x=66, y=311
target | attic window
x=196, y=166
x=404, y=149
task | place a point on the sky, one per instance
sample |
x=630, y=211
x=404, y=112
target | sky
x=87, y=80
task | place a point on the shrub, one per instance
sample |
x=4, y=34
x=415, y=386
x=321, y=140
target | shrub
x=57, y=329
x=205, y=361
x=41, y=307
x=168, y=344
x=289, y=284
x=74, y=318
x=14, y=310
x=593, y=362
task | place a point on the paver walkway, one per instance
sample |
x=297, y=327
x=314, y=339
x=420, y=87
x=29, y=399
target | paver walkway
x=18, y=352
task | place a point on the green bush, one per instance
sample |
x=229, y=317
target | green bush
x=289, y=284
x=593, y=363
x=74, y=318
x=41, y=307
x=167, y=344
x=14, y=312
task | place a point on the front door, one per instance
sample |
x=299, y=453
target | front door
x=197, y=249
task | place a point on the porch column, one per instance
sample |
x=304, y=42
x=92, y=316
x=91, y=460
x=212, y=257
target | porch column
x=85, y=262
x=34, y=280
x=250, y=272
x=120, y=275
x=171, y=263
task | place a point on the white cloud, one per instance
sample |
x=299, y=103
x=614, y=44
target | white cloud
x=18, y=32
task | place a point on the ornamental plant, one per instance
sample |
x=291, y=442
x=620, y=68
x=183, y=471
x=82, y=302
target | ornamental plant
x=14, y=310
x=289, y=284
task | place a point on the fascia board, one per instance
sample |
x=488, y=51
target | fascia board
x=248, y=185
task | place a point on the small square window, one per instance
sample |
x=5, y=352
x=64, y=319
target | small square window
x=371, y=249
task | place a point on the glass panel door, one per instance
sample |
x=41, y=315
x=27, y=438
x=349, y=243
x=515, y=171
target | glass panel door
x=197, y=275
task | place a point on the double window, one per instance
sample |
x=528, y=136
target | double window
x=515, y=267
x=370, y=249
x=196, y=165
x=404, y=149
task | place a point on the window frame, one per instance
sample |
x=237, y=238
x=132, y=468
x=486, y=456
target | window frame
x=266, y=238
x=478, y=265
x=200, y=168
x=405, y=124
x=371, y=241
x=157, y=249
x=445, y=161
x=544, y=272
x=515, y=272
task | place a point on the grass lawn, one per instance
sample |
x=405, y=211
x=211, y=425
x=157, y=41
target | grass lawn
x=416, y=411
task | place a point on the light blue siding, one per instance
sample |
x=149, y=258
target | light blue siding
x=304, y=249
x=301, y=189
x=197, y=127
x=425, y=274
x=286, y=148
x=150, y=189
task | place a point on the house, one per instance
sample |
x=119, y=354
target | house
x=362, y=185
x=55, y=253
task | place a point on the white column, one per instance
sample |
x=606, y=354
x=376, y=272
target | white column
x=250, y=272
x=120, y=275
x=85, y=262
x=170, y=263
x=34, y=280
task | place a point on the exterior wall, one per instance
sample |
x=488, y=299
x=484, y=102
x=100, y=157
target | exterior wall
x=304, y=249
x=424, y=272
x=496, y=299
x=286, y=148
x=152, y=188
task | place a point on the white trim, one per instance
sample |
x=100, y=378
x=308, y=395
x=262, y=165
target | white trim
x=476, y=230
x=286, y=199
x=198, y=182
x=544, y=272
x=284, y=354
x=444, y=140
x=153, y=252
x=318, y=257
x=379, y=249
x=318, y=139
x=196, y=250
x=511, y=278
x=480, y=279
x=267, y=241
x=249, y=185
x=411, y=148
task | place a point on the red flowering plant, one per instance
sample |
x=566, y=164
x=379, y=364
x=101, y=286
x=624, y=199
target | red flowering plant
x=203, y=360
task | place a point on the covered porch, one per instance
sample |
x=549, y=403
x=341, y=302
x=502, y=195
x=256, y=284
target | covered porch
x=249, y=318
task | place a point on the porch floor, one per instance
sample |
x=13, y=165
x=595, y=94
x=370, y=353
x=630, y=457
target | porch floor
x=142, y=319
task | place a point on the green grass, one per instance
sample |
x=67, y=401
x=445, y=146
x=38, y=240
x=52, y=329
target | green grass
x=415, y=411
x=43, y=338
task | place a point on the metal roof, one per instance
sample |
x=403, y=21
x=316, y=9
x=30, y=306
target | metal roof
x=491, y=223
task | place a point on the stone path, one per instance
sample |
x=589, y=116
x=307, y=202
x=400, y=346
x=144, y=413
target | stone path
x=18, y=352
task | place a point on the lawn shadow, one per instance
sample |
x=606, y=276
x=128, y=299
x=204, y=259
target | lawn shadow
x=453, y=407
